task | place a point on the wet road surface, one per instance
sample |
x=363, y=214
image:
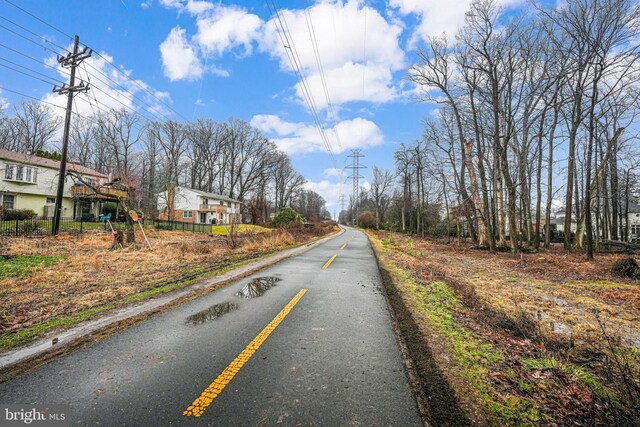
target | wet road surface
x=308, y=341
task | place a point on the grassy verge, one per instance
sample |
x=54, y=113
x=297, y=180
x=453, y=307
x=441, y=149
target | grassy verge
x=479, y=363
x=10, y=340
x=22, y=265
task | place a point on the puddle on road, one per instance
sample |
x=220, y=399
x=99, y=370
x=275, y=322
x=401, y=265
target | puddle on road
x=212, y=313
x=257, y=287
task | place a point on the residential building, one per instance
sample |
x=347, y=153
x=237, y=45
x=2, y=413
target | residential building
x=557, y=221
x=31, y=182
x=189, y=205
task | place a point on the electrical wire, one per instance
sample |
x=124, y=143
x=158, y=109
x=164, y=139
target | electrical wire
x=292, y=54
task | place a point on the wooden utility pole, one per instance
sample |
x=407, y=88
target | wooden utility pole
x=71, y=61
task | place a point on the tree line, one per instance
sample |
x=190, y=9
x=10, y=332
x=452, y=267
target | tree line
x=535, y=113
x=229, y=158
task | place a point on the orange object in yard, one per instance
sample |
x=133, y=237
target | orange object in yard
x=133, y=215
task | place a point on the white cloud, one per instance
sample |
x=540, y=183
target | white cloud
x=436, y=18
x=4, y=103
x=179, y=59
x=146, y=4
x=358, y=48
x=226, y=28
x=334, y=172
x=305, y=138
x=330, y=192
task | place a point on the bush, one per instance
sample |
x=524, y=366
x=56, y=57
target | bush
x=286, y=216
x=16, y=214
x=626, y=267
x=367, y=219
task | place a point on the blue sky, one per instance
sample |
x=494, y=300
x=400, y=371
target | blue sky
x=195, y=58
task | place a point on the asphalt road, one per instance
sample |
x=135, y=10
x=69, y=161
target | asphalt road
x=326, y=356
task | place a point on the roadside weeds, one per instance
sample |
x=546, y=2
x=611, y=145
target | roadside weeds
x=479, y=365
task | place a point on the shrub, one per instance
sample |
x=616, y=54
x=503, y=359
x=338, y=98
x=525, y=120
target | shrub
x=626, y=267
x=367, y=219
x=286, y=216
x=16, y=214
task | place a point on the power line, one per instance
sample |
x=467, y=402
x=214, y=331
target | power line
x=316, y=50
x=30, y=75
x=30, y=97
x=41, y=20
x=35, y=34
x=292, y=54
x=88, y=47
x=29, y=40
x=133, y=95
x=134, y=82
x=34, y=59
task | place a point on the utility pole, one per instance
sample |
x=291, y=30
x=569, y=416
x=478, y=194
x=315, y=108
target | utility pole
x=355, y=176
x=70, y=61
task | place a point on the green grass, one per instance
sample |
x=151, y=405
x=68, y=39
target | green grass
x=22, y=265
x=473, y=357
x=437, y=301
x=8, y=341
x=576, y=373
x=223, y=230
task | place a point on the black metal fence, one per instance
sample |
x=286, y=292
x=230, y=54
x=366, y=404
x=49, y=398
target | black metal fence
x=180, y=226
x=34, y=227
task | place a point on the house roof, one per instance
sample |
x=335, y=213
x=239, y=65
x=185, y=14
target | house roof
x=212, y=195
x=48, y=163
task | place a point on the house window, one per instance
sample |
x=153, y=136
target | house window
x=20, y=173
x=221, y=203
x=8, y=201
x=229, y=204
x=635, y=230
x=221, y=216
x=187, y=214
x=205, y=201
x=51, y=200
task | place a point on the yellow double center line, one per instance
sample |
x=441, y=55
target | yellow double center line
x=201, y=404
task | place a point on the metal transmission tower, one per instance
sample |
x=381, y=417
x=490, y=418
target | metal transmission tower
x=355, y=176
x=72, y=60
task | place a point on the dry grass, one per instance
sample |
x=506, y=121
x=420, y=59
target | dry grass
x=544, y=314
x=89, y=275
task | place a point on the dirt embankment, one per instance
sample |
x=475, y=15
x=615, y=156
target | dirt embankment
x=542, y=339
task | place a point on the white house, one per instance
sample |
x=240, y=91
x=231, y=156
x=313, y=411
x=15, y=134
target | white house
x=31, y=182
x=634, y=222
x=197, y=206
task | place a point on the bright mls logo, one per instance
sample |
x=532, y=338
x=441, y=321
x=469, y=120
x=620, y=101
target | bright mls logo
x=36, y=415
